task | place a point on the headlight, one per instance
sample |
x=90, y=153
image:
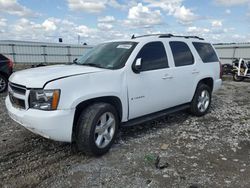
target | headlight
x=44, y=99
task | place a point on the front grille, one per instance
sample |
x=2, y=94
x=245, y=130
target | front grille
x=19, y=103
x=17, y=88
x=17, y=95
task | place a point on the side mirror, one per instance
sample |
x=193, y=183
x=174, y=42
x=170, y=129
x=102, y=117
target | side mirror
x=137, y=66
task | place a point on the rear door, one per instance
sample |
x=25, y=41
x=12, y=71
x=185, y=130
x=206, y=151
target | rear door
x=185, y=73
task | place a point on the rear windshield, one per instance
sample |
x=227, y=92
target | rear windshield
x=206, y=52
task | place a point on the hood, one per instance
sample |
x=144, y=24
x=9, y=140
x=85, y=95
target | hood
x=37, y=77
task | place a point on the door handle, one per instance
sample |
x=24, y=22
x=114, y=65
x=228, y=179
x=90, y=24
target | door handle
x=195, y=72
x=167, y=77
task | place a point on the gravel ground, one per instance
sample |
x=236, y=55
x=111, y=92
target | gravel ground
x=176, y=151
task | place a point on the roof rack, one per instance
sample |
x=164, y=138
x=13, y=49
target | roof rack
x=167, y=36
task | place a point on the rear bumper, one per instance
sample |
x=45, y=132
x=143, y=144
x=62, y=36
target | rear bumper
x=217, y=84
x=56, y=125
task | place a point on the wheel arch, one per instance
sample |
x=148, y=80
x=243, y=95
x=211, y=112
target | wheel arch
x=113, y=100
x=208, y=81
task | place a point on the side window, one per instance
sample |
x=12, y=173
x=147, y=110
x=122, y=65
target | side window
x=153, y=56
x=181, y=53
x=206, y=52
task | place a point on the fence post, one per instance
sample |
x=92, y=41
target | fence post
x=69, y=54
x=44, y=54
x=13, y=52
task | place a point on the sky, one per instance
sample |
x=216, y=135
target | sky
x=95, y=21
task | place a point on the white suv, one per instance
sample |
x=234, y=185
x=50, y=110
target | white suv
x=117, y=83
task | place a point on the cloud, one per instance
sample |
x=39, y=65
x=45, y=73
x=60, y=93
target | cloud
x=142, y=16
x=49, y=25
x=115, y=4
x=184, y=15
x=92, y=6
x=231, y=2
x=176, y=9
x=106, y=19
x=105, y=26
x=3, y=22
x=85, y=31
x=14, y=8
x=216, y=23
x=95, y=6
x=197, y=30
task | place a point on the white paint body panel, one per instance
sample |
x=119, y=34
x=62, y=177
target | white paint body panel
x=140, y=94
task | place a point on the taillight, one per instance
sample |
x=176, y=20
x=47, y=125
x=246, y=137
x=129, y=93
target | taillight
x=221, y=71
x=10, y=64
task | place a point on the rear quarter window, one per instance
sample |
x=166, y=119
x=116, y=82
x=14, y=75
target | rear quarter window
x=206, y=52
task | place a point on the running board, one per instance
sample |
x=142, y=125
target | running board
x=155, y=115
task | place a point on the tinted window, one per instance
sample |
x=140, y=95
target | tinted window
x=206, y=52
x=181, y=53
x=153, y=56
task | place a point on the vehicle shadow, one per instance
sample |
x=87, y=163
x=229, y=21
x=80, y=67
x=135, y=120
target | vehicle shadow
x=170, y=121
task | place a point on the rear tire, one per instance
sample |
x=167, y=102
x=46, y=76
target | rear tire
x=201, y=100
x=3, y=83
x=237, y=78
x=97, y=128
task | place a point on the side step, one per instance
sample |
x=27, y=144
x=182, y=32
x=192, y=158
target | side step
x=155, y=115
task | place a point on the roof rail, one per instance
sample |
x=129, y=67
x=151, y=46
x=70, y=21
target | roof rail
x=140, y=36
x=167, y=36
x=187, y=37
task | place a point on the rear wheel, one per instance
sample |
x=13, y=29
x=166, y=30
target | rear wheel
x=3, y=83
x=201, y=100
x=97, y=127
x=238, y=78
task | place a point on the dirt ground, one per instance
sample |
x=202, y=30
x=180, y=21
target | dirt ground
x=175, y=151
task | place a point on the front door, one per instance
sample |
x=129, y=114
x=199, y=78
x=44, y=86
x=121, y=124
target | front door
x=150, y=90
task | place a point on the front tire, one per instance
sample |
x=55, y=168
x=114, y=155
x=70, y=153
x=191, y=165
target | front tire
x=97, y=128
x=3, y=83
x=201, y=100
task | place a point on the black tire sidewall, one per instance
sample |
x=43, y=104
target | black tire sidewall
x=90, y=146
x=194, y=103
x=97, y=150
x=6, y=81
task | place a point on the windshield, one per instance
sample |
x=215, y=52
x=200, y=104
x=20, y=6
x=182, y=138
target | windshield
x=111, y=55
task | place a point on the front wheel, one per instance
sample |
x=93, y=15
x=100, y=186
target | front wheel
x=97, y=127
x=201, y=100
x=238, y=78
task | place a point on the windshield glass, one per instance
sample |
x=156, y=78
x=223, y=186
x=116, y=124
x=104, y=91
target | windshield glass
x=111, y=55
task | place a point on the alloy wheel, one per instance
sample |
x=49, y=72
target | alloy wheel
x=104, y=130
x=203, y=101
